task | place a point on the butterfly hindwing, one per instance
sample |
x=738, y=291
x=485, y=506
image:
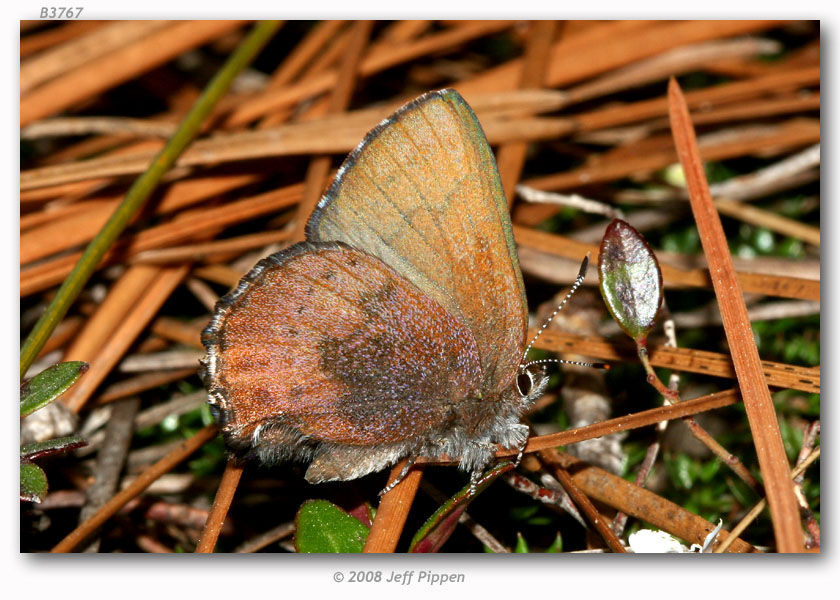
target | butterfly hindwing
x=323, y=346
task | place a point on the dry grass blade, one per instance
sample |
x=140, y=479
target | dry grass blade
x=118, y=66
x=385, y=58
x=511, y=157
x=77, y=51
x=140, y=312
x=319, y=167
x=760, y=410
x=43, y=275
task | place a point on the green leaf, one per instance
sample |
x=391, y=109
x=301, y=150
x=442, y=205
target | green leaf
x=321, y=527
x=681, y=469
x=709, y=470
x=33, y=482
x=439, y=527
x=630, y=279
x=49, y=385
x=556, y=545
x=53, y=446
x=521, y=545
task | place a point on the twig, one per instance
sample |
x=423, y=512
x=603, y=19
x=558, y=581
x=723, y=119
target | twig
x=806, y=379
x=600, y=524
x=77, y=51
x=110, y=459
x=769, y=220
x=70, y=126
x=176, y=406
x=709, y=315
x=197, y=252
x=148, y=544
x=148, y=476
x=119, y=66
x=209, y=221
x=808, y=440
x=81, y=225
x=38, y=41
x=148, y=417
x=728, y=93
x=671, y=395
x=203, y=293
x=156, y=361
x=760, y=182
x=586, y=205
x=640, y=503
x=793, y=133
x=221, y=504
x=374, y=63
x=393, y=511
x=611, y=46
x=259, y=542
x=761, y=413
x=124, y=333
x=625, y=423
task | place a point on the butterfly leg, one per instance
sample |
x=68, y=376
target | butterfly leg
x=521, y=445
x=409, y=462
x=475, y=477
x=519, y=454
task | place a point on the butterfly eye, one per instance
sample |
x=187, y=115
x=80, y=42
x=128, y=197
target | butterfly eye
x=524, y=383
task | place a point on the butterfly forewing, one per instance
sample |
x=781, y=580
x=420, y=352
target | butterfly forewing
x=422, y=192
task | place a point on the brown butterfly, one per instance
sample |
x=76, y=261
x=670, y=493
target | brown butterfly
x=398, y=328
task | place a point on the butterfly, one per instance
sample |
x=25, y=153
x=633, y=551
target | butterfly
x=398, y=327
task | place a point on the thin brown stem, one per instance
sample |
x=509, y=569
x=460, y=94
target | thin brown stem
x=221, y=504
x=600, y=524
x=393, y=511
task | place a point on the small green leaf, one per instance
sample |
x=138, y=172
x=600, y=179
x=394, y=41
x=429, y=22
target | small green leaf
x=682, y=470
x=33, y=482
x=709, y=470
x=630, y=279
x=439, y=527
x=321, y=526
x=53, y=446
x=49, y=385
x=556, y=545
x=521, y=545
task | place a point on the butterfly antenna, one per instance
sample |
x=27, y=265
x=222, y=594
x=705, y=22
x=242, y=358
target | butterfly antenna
x=578, y=280
x=561, y=361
